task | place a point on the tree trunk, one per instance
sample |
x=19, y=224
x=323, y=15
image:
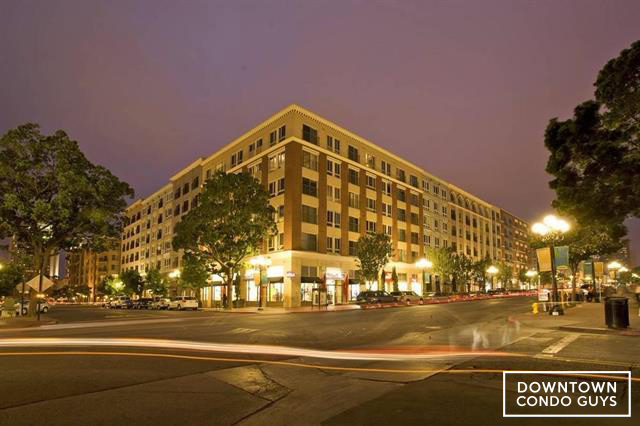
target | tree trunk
x=228, y=291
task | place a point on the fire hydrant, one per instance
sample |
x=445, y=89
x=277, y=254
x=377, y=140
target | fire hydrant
x=535, y=308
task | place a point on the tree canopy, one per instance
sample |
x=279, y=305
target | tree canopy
x=194, y=274
x=442, y=260
x=52, y=198
x=156, y=282
x=372, y=254
x=232, y=219
x=11, y=275
x=133, y=282
x=595, y=155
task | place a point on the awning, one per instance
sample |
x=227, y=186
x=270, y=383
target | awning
x=276, y=280
x=313, y=280
x=354, y=281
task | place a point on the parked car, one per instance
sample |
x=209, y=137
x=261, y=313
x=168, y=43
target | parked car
x=120, y=302
x=374, y=296
x=160, y=303
x=144, y=303
x=407, y=297
x=44, y=307
x=183, y=302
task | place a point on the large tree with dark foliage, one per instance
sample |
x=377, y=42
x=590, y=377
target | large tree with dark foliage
x=53, y=198
x=232, y=219
x=595, y=155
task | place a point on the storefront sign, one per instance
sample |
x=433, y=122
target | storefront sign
x=290, y=274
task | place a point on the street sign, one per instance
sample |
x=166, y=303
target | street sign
x=35, y=281
x=543, y=296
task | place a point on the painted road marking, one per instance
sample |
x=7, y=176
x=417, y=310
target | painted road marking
x=243, y=330
x=560, y=344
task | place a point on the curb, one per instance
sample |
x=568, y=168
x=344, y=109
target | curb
x=599, y=330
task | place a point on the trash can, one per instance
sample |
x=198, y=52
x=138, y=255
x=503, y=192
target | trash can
x=616, y=312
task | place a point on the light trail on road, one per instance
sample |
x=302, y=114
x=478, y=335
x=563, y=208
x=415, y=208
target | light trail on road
x=383, y=354
x=302, y=365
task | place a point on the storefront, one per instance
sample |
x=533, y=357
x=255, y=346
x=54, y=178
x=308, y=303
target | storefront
x=275, y=291
x=309, y=287
x=354, y=289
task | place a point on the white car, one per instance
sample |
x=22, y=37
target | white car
x=120, y=302
x=183, y=302
x=160, y=303
x=44, y=307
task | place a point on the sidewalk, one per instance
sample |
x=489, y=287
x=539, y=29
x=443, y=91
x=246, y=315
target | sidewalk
x=585, y=318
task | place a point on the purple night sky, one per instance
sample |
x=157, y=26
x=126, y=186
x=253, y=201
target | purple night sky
x=463, y=89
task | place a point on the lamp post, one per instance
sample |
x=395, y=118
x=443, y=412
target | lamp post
x=424, y=264
x=531, y=274
x=492, y=271
x=260, y=262
x=551, y=229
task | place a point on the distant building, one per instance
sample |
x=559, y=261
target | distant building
x=515, y=242
x=85, y=267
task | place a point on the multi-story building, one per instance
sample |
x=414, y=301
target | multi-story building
x=515, y=241
x=85, y=267
x=328, y=187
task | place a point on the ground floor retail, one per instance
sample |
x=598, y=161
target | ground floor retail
x=295, y=278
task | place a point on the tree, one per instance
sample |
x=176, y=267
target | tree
x=462, y=270
x=372, y=254
x=133, y=282
x=505, y=274
x=111, y=286
x=53, y=197
x=394, y=279
x=595, y=156
x=522, y=276
x=156, y=283
x=443, y=264
x=479, y=271
x=11, y=275
x=194, y=274
x=232, y=218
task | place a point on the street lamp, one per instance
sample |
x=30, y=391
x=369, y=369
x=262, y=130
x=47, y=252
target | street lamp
x=260, y=262
x=551, y=229
x=531, y=274
x=424, y=264
x=616, y=267
x=492, y=271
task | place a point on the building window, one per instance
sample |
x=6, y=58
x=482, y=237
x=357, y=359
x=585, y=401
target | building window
x=333, y=144
x=309, y=214
x=309, y=187
x=353, y=176
x=400, y=175
x=353, y=154
x=354, y=200
x=402, y=215
x=333, y=168
x=276, y=161
x=333, y=219
x=386, y=229
x=371, y=182
x=413, y=181
x=402, y=235
x=402, y=196
x=386, y=209
x=414, y=238
x=282, y=133
x=371, y=204
x=309, y=134
x=386, y=187
x=414, y=218
x=385, y=168
x=352, y=248
x=309, y=160
x=370, y=226
x=309, y=242
x=354, y=224
x=371, y=161
x=414, y=199
x=276, y=187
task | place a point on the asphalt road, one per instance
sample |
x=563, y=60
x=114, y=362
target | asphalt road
x=159, y=367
